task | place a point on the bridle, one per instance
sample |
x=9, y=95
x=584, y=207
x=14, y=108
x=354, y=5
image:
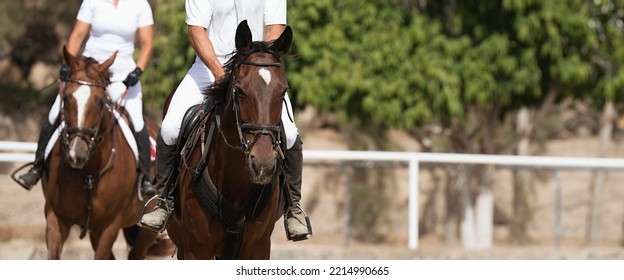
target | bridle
x=91, y=135
x=257, y=130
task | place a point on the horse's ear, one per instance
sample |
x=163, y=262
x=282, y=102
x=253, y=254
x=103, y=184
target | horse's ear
x=282, y=44
x=69, y=58
x=243, y=37
x=104, y=66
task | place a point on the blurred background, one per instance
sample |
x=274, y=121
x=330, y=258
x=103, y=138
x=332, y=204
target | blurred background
x=506, y=77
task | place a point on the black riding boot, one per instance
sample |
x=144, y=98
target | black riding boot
x=165, y=162
x=143, y=145
x=31, y=178
x=296, y=222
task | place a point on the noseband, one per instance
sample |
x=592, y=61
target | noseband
x=257, y=130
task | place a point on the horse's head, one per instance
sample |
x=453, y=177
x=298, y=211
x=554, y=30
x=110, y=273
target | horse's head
x=254, y=87
x=84, y=103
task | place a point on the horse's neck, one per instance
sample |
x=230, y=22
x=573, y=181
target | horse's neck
x=226, y=162
x=229, y=121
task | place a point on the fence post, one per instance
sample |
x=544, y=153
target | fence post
x=558, y=205
x=347, y=205
x=413, y=203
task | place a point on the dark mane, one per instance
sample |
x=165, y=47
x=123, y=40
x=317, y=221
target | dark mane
x=92, y=71
x=218, y=90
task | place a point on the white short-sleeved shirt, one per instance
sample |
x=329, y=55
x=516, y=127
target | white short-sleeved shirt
x=221, y=18
x=114, y=29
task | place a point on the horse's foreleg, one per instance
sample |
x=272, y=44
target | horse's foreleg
x=258, y=250
x=56, y=234
x=262, y=251
x=144, y=241
x=103, y=241
x=180, y=253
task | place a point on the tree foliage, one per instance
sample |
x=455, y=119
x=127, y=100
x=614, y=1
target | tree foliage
x=408, y=64
x=172, y=55
x=607, y=22
x=402, y=63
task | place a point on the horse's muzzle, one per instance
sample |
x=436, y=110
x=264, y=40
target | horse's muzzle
x=78, y=152
x=262, y=168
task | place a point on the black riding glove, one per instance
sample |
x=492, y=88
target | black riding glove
x=133, y=77
x=64, y=73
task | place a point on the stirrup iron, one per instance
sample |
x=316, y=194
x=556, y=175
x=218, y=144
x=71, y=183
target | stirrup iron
x=307, y=223
x=16, y=179
x=165, y=224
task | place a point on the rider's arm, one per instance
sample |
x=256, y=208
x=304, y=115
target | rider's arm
x=204, y=49
x=77, y=36
x=146, y=37
x=273, y=31
x=274, y=19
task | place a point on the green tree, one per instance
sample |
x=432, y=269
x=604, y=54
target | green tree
x=464, y=65
x=607, y=21
x=172, y=55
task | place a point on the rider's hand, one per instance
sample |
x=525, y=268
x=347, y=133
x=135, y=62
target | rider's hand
x=133, y=77
x=64, y=72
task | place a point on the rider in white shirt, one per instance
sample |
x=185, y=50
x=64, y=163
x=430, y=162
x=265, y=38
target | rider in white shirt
x=112, y=26
x=212, y=28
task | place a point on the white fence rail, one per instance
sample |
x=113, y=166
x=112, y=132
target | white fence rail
x=11, y=151
x=412, y=158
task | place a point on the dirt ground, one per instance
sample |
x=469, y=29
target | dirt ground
x=22, y=224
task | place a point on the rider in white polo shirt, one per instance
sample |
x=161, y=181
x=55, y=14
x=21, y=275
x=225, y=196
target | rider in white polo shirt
x=212, y=27
x=111, y=26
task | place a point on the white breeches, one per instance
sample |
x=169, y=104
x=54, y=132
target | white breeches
x=133, y=102
x=189, y=93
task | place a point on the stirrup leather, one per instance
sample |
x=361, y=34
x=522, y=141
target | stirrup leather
x=162, y=203
x=142, y=191
x=307, y=223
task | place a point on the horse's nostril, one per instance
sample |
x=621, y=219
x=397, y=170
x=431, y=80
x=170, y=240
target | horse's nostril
x=254, y=164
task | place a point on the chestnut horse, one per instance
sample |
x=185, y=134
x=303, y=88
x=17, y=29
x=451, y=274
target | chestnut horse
x=229, y=195
x=91, y=177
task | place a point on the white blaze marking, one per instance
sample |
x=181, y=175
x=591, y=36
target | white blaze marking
x=82, y=96
x=265, y=74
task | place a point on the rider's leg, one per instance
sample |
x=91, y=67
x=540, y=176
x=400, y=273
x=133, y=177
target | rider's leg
x=165, y=162
x=31, y=178
x=145, y=159
x=188, y=93
x=293, y=171
x=133, y=103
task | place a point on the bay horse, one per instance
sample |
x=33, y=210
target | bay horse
x=90, y=179
x=229, y=194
